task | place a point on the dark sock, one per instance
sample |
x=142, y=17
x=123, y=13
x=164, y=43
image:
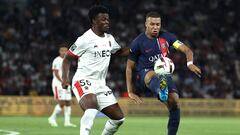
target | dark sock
x=154, y=84
x=173, y=122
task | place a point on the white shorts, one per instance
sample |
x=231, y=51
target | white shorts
x=103, y=93
x=60, y=93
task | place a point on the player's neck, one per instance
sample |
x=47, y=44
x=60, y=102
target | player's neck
x=149, y=35
x=97, y=32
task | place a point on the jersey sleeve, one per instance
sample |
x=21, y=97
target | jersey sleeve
x=78, y=48
x=114, y=45
x=134, y=50
x=55, y=64
x=173, y=41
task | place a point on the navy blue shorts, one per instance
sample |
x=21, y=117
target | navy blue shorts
x=140, y=85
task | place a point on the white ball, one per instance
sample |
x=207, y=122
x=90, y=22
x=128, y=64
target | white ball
x=164, y=66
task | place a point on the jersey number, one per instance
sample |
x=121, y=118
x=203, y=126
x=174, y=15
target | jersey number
x=84, y=82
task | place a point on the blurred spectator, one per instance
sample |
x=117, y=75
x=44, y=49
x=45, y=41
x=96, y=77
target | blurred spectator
x=30, y=31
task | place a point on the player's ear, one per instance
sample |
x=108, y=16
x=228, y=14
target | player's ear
x=94, y=21
x=146, y=23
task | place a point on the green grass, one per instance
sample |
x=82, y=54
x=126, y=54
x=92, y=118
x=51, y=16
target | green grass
x=132, y=126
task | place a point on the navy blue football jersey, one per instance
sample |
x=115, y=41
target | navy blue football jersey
x=145, y=51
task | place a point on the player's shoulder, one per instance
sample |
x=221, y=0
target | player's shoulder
x=165, y=33
x=56, y=59
x=139, y=38
x=109, y=36
x=83, y=38
x=86, y=35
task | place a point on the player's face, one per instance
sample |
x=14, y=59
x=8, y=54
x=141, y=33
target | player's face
x=62, y=51
x=102, y=22
x=153, y=26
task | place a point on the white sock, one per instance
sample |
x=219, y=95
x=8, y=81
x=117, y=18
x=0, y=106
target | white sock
x=56, y=111
x=87, y=121
x=112, y=126
x=67, y=114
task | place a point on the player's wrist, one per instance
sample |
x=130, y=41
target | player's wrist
x=189, y=63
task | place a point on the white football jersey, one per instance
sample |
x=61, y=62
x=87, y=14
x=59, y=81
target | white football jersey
x=57, y=65
x=93, y=54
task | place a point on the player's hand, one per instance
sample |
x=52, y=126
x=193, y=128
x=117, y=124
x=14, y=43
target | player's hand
x=195, y=70
x=135, y=98
x=65, y=84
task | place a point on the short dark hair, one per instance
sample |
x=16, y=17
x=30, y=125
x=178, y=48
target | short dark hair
x=95, y=10
x=62, y=45
x=153, y=14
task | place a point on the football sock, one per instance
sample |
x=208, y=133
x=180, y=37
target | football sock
x=173, y=122
x=67, y=113
x=112, y=126
x=87, y=121
x=159, y=86
x=56, y=111
x=154, y=84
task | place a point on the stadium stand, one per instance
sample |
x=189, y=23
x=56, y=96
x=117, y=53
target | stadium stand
x=30, y=31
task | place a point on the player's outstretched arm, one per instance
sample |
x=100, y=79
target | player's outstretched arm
x=123, y=51
x=130, y=86
x=65, y=70
x=189, y=55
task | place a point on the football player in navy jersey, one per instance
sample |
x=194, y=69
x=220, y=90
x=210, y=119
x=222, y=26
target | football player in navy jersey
x=146, y=48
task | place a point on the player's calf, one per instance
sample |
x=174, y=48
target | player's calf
x=112, y=126
x=159, y=86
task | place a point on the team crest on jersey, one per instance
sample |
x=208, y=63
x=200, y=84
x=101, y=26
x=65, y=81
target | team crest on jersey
x=164, y=45
x=110, y=44
x=73, y=47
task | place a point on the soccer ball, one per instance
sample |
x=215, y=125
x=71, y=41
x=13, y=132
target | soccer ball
x=164, y=66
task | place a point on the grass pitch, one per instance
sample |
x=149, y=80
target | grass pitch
x=132, y=126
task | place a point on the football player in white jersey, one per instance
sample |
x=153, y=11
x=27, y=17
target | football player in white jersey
x=62, y=96
x=93, y=50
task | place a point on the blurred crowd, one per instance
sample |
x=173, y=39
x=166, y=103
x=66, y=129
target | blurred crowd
x=31, y=30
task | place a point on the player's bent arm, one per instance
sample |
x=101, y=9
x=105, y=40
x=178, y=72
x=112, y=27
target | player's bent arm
x=129, y=73
x=65, y=70
x=55, y=71
x=189, y=55
x=187, y=51
x=123, y=51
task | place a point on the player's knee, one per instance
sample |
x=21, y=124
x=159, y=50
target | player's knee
x=112, y=126
x=61, y=105
x=116, y=124
x=67, y=103
x=119, y=122
x=174, y=105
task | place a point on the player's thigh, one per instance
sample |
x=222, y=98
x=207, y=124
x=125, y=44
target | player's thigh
x=84, y=91
x=88, y=101
x=108, y=105
x=57, y=91
x=66, y=94
x=149, y=75
x=142, y=79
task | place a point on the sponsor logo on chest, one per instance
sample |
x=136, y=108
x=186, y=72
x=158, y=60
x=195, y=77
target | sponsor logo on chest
x=102, y=53
x=102, y=50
